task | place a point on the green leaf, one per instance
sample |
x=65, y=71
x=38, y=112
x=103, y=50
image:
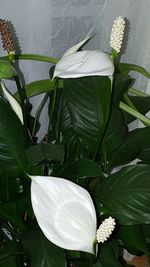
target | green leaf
x=126, y=68
x=45, y=152
x=145, y=156
x=133, y=144
x=133, y=237
x=121, y=84
x=108, y=255
x=87, y=106
x=7, y=71
x=146, y=230
x=39, y=87
x=12, y=144
x=125, y=195
x=142, y=104
x=41, y=252
x=81, y=169
x=115, y=133
x=9, y=212
x=11, y=255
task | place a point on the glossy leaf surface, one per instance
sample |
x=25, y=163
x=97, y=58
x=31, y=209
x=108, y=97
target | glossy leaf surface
x=125, y=195
x=41, y=252
x=87, y=107
x=12, y=145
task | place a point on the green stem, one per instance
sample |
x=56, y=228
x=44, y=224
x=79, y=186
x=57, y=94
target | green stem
x=129, y=102
x=134, y=113
x=32, y=57
x=113, y=54
x=137, y=92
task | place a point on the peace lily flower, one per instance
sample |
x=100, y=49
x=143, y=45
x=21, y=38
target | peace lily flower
x=66, y=214
x=12, y=101
x=75, y=64
x=117, y=33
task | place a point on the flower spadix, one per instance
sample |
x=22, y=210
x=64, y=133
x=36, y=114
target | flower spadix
x=75, y=64
x=65, y=212
x=12, y=101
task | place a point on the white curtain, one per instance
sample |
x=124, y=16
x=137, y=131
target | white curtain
x=49, y=27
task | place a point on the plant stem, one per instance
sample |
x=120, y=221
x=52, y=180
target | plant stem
x=32, y=57
x=113, y=54
x=134, y=113
x=137, y=92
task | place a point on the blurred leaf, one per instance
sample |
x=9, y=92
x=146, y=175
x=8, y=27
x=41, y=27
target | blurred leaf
x=11, y=255
x=133, y=237
x=133, y=144
x=126, y=68
x=125, y=195
x=45, y=152
x=12, y=144
x=7, y=71
x=41, y=252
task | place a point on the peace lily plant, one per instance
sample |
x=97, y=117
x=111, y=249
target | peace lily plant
x=76, y=198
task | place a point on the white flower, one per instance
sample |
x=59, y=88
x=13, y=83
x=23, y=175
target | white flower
x=117, y=34
x=65, y=212
x=75, y=64
x=105, y=230
x=12, y=101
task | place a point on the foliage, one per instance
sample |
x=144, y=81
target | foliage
x=88, y=139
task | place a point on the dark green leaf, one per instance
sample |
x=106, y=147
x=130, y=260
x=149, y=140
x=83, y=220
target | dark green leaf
x=142, y=104
x=7, y=71
x=9, y=212
x=45, y=152
x=146, y=229
x=126, y=68
x=41, y=252
x=145, y=156
x=133, y=237
x=11, y=255
x=121, y=84
x=134, y=143
x=126, y=195
x=81, y=169
x=12, y=145
x=39, y=87
x=87, y=110
x=108, y=255
x=115, y=133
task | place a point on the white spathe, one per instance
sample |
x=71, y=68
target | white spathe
x=75, y=64
x=65, y=212
x=12, y=101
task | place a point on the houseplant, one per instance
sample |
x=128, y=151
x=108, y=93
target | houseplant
x=91, y=105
